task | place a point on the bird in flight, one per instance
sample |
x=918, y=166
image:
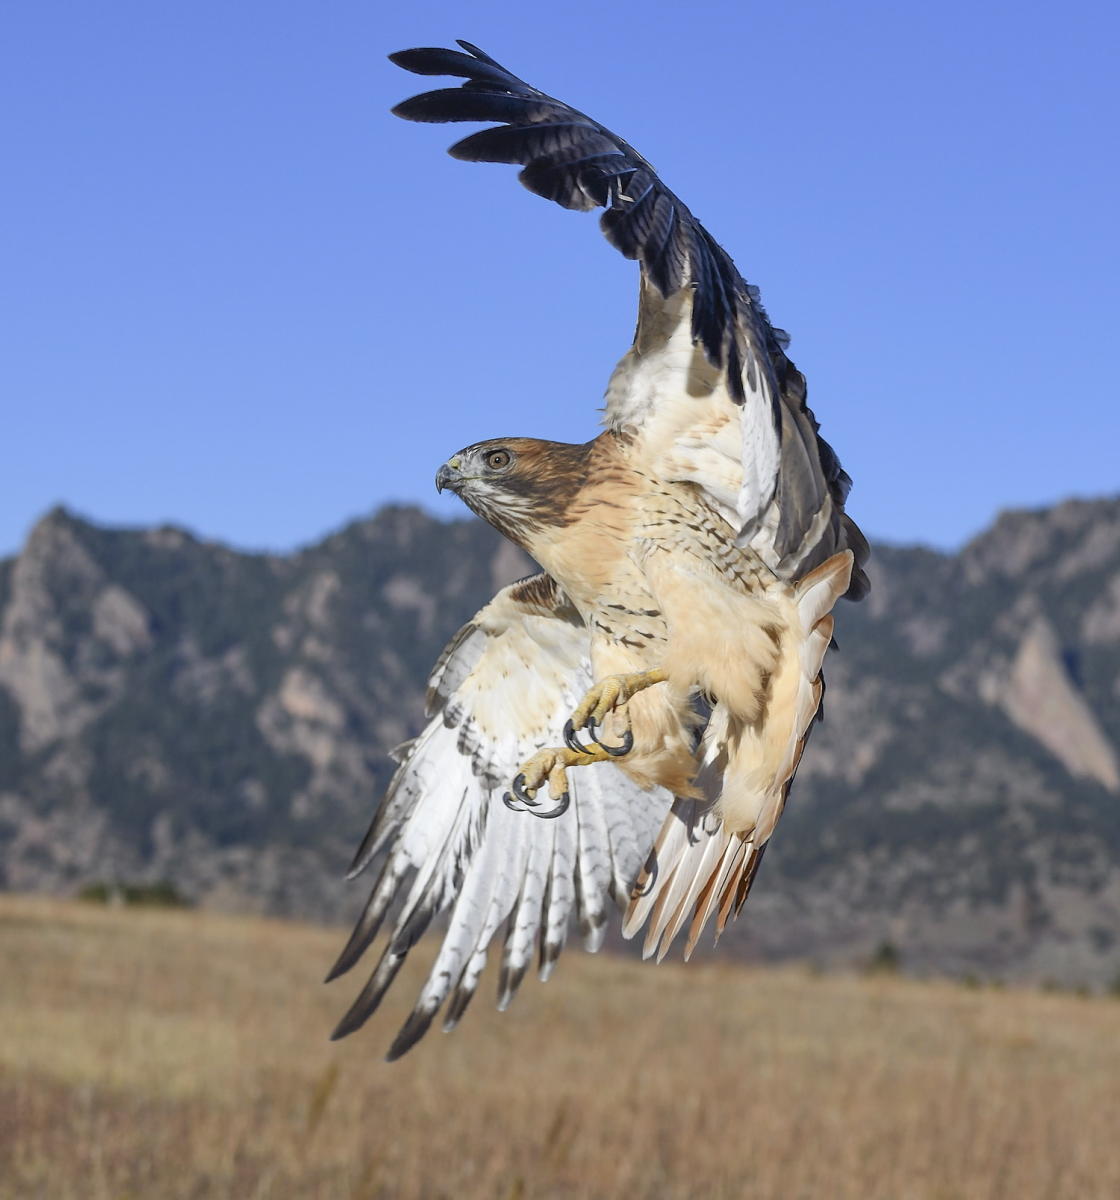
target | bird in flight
x=623, y=727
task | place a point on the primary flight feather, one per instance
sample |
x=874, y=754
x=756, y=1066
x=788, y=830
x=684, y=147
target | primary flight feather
x=625, y=726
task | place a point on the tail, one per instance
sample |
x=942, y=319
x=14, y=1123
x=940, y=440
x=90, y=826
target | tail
x=697, y=866
x=708, y=851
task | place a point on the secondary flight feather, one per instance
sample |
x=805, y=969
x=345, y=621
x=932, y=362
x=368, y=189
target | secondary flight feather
x=623, y=728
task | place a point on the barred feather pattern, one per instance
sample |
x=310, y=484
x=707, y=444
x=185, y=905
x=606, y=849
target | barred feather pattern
x=446, y=844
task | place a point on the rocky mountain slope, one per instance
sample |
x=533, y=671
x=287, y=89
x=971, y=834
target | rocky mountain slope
x=172, y=709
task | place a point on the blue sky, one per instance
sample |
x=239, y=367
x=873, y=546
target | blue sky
x=236, y=294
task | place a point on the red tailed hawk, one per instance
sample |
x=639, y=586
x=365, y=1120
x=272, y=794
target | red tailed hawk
x=623, y=727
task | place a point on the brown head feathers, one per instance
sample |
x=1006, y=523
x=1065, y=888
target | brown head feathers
x=519, y=485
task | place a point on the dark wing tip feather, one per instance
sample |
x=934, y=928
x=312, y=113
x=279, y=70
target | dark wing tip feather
x=418, y=1024
x=857, y=543
x=460, y=1001
x=436, y=60
x=479, y=54
x=365, y=852
x=370, y=996
x=509, y=981
x=366, y=929
x=550, y=951
x=353, y=950
x=341, y=966
x=574, y=161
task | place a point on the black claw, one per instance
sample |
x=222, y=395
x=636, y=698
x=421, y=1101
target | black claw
x=522, y=793
x=560, y=809
x=625, y=748
x=592, y=725
x=512, y=804
x=570, y=739
x=613, y=751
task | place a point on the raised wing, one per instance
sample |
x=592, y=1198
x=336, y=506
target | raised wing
x=707, y=382
x=578, y=163
x=501, y=690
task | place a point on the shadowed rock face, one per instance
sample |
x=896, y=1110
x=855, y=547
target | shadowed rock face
x=1041, y=697
x=172, y=709
x=65, y=634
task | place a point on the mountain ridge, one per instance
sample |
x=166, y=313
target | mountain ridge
x=171, y=708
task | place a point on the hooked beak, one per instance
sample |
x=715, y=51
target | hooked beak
x=448, y=476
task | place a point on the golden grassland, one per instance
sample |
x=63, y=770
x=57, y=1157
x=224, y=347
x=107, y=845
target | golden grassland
x=184, y=1054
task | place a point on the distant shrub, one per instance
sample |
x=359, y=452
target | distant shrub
x=94, y=893
x=160, y=894
x=886, y=960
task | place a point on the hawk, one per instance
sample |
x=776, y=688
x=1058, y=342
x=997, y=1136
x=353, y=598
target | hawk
x=624, y=726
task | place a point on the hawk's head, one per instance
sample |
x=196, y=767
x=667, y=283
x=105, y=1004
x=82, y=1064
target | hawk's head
x=519, y=485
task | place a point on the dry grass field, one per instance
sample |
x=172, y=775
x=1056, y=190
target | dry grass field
x=182, y=1054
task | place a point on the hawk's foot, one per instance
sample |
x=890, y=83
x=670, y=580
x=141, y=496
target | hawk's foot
x=549, y=766
x=610, y=695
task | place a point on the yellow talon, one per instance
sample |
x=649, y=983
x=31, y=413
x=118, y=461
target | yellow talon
x=611, y=695
x=549, y=765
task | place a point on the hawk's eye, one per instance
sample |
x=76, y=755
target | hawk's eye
x=498, y=460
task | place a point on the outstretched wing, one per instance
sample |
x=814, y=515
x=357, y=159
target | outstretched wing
x=707, y=384
x=501, y=690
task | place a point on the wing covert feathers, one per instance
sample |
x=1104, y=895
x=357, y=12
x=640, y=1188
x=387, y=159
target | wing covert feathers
x=447, y=845
x=704, y=862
